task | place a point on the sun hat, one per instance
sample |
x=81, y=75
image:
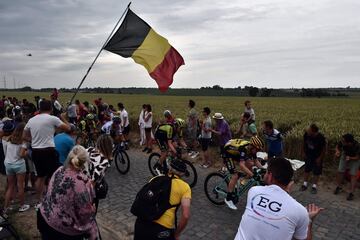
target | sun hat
x=218, y=116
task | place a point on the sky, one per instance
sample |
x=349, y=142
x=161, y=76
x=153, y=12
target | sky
x=263, y=43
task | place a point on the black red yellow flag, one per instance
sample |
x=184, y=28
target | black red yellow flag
x=136, y=39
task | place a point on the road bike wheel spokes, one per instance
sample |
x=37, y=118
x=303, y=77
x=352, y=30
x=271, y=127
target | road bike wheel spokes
x=191, y=175
x=154, y=163
x=215, y=187
x=122, y=161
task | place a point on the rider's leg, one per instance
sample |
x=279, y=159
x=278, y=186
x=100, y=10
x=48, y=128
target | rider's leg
x=232, y=183
x=245, y=166
x=162, y=157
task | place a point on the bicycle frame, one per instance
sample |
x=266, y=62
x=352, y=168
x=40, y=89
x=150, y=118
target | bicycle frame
x=239, y=188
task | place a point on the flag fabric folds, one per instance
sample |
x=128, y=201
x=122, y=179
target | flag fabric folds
x=136, y=39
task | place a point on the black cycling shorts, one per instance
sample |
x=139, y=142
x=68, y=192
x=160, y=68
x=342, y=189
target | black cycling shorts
x=230, y=165
x=161, y=139
x=152, y=231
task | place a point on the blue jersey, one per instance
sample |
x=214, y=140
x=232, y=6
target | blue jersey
x=274, y=142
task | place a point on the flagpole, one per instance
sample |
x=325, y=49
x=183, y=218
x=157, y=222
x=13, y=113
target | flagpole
x=92, y=64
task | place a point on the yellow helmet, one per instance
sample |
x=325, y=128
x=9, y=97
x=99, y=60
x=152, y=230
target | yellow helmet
x=180, y=122
x=257, y=142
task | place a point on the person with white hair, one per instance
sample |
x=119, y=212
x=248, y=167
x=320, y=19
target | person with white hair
x=67, y=210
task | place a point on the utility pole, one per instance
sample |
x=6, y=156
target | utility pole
x=4, y=82
x=14, y=83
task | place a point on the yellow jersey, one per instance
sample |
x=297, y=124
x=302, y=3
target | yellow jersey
x=179, y=190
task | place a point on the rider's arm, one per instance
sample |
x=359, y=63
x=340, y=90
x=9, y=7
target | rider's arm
x=185, y=216
x=258, y=164
x=171, y=146
x=245, y=169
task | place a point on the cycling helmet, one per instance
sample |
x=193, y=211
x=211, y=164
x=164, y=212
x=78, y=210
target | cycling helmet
x=177, y=165
x=179, y=122
x=90, y=116
x=257, y=142
x=167, y=113
x=116, y=119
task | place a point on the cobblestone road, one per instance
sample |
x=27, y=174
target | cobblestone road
x=340, y=220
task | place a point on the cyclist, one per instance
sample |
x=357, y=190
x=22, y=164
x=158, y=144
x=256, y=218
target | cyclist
x=179, y=136
x=88, y=125
x=244, y=152
x=164, y=135
x=113, y=128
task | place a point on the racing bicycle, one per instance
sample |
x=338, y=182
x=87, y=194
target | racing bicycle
x=216, y=185
x=121, y=158
x=156, y=168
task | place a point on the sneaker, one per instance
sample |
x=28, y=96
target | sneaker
x=230, y=204
x=313, y=190
x=337, y=190
x=190, y=153
x=303, y=188
x=145, y=149
x=24, y=208
x=350, y=197
x=149, y=150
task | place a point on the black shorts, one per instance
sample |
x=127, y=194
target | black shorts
x=152, y=231
x=148, y=130
x=46, y=161
x=161, y=139
x=205, y=142
x=126, y=130
x=311, y=166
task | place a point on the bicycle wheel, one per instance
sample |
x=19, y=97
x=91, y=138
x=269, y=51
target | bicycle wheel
x=153, y=162
x=191, y=176
x=215, y=187
x=122, y=161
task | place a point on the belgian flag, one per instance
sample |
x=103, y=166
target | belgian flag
x=136, y=39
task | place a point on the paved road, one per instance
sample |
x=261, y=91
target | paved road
x=340, y=220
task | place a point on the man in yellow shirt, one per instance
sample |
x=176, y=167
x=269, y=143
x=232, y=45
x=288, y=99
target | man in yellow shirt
x=165, y=227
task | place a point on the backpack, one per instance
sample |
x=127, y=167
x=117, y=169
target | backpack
x=153, y=199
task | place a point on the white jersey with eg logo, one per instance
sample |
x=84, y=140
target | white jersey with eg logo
x=272, y=214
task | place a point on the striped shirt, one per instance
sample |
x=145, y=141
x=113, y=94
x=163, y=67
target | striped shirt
x=96, y=167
